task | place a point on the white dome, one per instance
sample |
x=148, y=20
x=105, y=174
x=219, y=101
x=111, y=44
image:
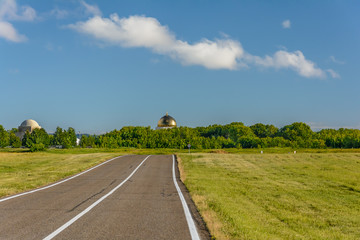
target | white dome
x=30, y=123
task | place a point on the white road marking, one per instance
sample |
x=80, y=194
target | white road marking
x=52, y=185
x=63, y=227
x=193, y=232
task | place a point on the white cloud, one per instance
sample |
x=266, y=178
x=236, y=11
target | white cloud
x=8, y=32
x=333, y=73
x=141, y=31
x=333, y=59
x=9, y=12
x=59, y=13
x=91, y=9
x=286, y=24
x=293, y=60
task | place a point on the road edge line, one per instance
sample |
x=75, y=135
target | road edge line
x=190, y=221
x=57, y=183
x=74, y=219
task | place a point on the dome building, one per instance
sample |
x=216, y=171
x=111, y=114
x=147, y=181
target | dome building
x=166, y=122
x=27, y=125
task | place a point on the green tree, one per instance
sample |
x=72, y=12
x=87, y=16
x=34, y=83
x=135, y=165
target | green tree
x=57, y=139
x=38, y=140
x=72, y=136
x=263, y=131
x=14, y=140
x=239, y=130
x=300, y=134
x=64, y=138
x=4, y=137
x=295, y=131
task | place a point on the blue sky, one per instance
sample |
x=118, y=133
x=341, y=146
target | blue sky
x=101, y=65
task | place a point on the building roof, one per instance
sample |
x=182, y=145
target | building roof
x=167, y=121
x=30, y=123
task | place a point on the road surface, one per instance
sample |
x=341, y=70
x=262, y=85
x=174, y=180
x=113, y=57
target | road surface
x=129, y=197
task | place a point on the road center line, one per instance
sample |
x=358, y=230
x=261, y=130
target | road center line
x=63, y=227
x=57, y=183
x=193, y=232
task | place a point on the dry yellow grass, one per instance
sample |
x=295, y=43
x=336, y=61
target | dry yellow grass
x=25, y=171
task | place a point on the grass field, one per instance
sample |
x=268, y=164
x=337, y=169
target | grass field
x=24, y=171
x=276, y=196
x=314, y=194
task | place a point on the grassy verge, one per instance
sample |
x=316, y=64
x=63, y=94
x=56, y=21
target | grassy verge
x=276, y=196
x=24, y=171
x=21, y=170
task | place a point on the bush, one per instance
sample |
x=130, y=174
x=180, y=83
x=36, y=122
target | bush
x=15, y=141
x=36, y=147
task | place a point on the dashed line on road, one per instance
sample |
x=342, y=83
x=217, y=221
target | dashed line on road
x=63, y=227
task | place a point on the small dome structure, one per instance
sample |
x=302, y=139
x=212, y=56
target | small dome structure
x=27, y=125
x=30, y=123
x=166, y=121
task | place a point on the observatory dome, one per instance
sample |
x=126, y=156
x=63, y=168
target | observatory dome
x=27, y=125
x=166, y=121
x=30, y=123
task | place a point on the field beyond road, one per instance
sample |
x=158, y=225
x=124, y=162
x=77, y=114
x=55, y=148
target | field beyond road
x=276, y=196
x=23, y=171
x=241, y=195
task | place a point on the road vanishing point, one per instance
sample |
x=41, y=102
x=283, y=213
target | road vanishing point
x=128, y=197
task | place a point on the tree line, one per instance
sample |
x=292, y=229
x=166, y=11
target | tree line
x=233, y=135
x=38, y=139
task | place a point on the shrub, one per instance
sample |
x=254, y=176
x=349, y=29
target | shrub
x=36, y=147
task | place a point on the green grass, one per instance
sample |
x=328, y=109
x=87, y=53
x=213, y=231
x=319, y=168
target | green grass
x=314, y=194
x=276, y=196
x=24, y=171
x=21, y=170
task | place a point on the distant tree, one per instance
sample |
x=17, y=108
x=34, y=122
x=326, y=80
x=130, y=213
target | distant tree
x=64, y=138
x=262, y=130
x=14, y=130
x=231, y=135
x=239, y=130
x=38, y=140
x=300, y=134
x=14, y=140
x=72, y=136
x=83, y=141
x=341, y=138
x=25, y=139
x=249, y=142
x=87, y=141
x=4, y=137
x=296, y=130
x=57, y=137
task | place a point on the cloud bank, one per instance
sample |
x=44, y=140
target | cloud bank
x=9, y=11
x=147, y=32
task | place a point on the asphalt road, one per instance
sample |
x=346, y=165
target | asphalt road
x=126, y=198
